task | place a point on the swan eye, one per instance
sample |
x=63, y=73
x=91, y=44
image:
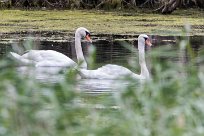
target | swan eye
x=87, y=33
x=145, y=38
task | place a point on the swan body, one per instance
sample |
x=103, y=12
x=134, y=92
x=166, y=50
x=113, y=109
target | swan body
x=42, y=58
x=110, y=71
x=51, y=58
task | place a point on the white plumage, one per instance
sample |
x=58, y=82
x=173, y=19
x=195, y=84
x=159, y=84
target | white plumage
x=51, y=58
x=110, y=71
x=43, y=58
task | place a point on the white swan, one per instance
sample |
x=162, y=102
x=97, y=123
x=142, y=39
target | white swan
x=110, y=71
x=51, y=58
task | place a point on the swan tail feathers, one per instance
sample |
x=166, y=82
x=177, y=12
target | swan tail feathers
x=15, y=55
x=88, y=74
x=21, y=61
x=82, y=73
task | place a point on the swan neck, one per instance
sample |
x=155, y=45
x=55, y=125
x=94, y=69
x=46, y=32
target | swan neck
x=79, y=53
x=142, y=62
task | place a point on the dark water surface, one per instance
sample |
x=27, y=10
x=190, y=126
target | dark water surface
x=114, y=49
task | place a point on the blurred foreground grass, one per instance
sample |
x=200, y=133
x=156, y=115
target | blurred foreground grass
x=171, y=104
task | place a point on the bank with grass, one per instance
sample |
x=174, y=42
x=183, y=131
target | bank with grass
x=101, y=22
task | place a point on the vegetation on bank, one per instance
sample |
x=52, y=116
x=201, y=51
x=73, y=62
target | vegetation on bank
x=101, y=22
x=162, y=6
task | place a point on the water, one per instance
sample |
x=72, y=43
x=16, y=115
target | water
x=114, y=49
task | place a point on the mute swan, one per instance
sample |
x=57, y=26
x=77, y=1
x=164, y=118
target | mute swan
x=51, y=58
x=110, y=71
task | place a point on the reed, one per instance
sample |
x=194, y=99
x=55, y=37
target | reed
x=170, y=104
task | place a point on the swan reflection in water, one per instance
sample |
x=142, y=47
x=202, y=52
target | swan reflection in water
x=52, y=75
x=43, y=74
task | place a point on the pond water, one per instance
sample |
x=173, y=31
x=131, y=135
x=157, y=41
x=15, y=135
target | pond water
x=112, y=49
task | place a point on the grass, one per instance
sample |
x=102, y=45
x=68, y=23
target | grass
x=101, y=22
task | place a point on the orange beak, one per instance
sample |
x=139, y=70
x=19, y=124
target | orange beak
x=147, y=42
x=88, y=38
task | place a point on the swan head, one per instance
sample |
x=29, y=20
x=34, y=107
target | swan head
x=143, y=40
x=82, y=32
